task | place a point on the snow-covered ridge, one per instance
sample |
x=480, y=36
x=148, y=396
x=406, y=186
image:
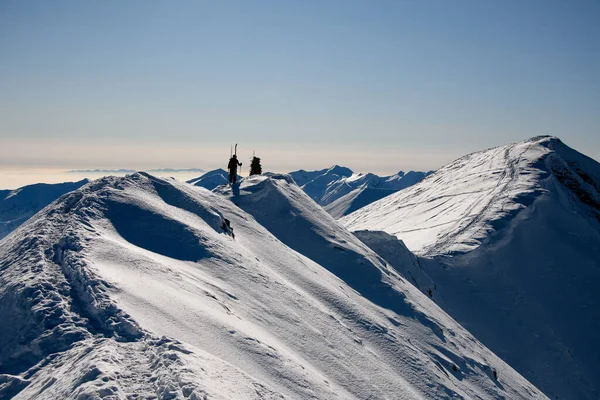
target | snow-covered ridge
x=154, y=287
x=462, y=204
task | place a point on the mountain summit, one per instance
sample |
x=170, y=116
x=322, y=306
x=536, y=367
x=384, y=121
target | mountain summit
x=462, y=204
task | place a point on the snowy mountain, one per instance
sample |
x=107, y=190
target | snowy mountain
x=342, y=191
x=16, y=206
x=510, y=242
x=303, y=177
x=211, y=179
x=141, y=287
x=316, y=183
x=361, y=190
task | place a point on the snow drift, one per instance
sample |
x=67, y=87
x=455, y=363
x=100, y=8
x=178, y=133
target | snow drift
x=511, y=242
x=139, y=287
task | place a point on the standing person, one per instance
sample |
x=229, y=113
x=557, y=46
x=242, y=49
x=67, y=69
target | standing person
x=255, y=167
x=232, y=167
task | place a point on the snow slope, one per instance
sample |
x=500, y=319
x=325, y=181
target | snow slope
x=136, y=287
x=16, y=206
x=455, y=209
x=356, y=199
x=511, y=239
x=211, y=179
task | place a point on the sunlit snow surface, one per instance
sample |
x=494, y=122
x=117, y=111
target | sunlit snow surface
x=457, y=207
x=136, y=286
x=510, y=246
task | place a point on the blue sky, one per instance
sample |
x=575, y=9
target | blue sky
x=376, y=85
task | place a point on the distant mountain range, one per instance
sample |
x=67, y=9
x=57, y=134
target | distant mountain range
x=131, y=171
x=341, y=191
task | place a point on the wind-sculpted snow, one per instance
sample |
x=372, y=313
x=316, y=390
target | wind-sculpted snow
x=140, y=287
x=16, y=206
x=514, y=233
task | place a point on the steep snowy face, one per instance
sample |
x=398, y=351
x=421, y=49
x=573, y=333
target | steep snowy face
x=151, y=287
x=462, y=204
x=211, y=179
x=512, y=239
x=16, y=206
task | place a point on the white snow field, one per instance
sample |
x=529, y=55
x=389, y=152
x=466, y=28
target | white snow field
x=510, y=246
x=140, y=287
x=16, y=206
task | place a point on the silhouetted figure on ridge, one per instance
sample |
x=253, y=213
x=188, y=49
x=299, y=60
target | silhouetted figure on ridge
x=255, y=167
x=232, y=167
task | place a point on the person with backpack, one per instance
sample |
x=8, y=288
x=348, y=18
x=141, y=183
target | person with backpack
x=232, y=167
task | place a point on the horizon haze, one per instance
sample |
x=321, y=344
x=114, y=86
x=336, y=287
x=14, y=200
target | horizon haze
x=379, y=87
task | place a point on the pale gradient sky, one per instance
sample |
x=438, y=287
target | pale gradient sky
x=375, y=85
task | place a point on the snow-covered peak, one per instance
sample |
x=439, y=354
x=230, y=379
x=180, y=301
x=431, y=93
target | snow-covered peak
x=302, y=177
x=463, y=203
x=152, y=287
x=211, y=179
x=339, y=171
